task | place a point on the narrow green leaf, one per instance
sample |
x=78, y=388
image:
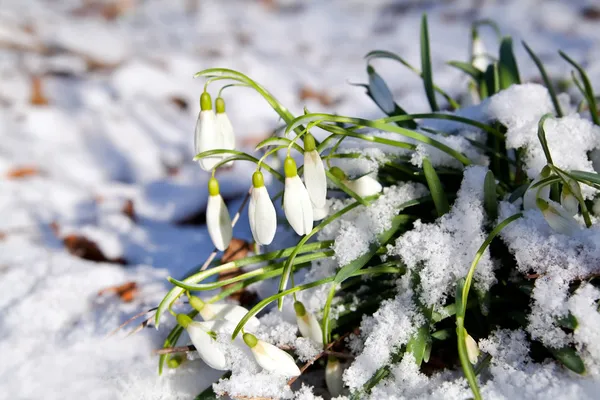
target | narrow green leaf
x=426, y=64
x=435, y=187
x=545, y=78
x=442, y=334
x=508, y=70
x=588, y=90
x=490, y=198
x=570, y=359
x=589, y=178
x=468, y=69
x=542, y=137
x=419, y=343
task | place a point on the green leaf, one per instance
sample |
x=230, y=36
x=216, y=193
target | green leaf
x=508, y=71
x=588, y=90
x=419, y=344
x=490, y=200
x=468, y=69
x=381, y=94
x=542, y=137
x=492, y=81
x=442, y=334
x=426, y=64
x=569, y=358
x=435, y=187
x=589, y=178
x=569, y=322
x=545, y=78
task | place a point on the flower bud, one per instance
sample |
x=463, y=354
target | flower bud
x=205, y=345
x=542, y=192
x=271, y=358
x=207, y=136
x=314, y=173
x=218, y=221
x=296, y=201
x=308, y=324
x=568, y=198
x=472, y=348
x=558, y=218
x=222, y=311
x=333, y=376
x=224, y=127
x=261, y=212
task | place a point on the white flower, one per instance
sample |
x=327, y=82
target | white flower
x=542, y=192
x=314, y=173
x=207, y=136
x=479, y=57
x=558, y=218
x=224, y=127
x=271, y=358
x=205, y=344
x=472, y=348
x=364, y=186
x=222, y=311
x=296, y=201
x=218, y=221
x=380, y=91
x=568, y=197
x=320, y=213
x=308, y=324
x=333, y=376
x=261, y=212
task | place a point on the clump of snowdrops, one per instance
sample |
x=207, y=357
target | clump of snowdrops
x=447, y=333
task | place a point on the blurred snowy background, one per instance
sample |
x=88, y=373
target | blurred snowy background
x=98, y=190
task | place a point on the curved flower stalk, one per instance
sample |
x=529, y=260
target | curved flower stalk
x=364, y=186
x=558, y=218
x=333, y=376
x=218, y=221
x=205, y=344
x=308, y=324
x=207, y=136
x=224, y=127
x=261, y=212
x=532, y=194
x=315, y=178
x=222, y=311
x=296, y=201
x=271, y=358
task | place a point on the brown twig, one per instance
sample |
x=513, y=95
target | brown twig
x=129, y=320
x=180, y=349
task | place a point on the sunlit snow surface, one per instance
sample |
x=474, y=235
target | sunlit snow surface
x=111, y=132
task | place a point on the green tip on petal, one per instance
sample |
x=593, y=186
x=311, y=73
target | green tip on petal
x=250, y=340
x=299, y=308
x=546, y=171
x=175, y=361
x=289, y=167
x=309, y=142
x=196, y=303
x=220, y=105
x=542, y=204
x=370, y=69
x=213, y=187
x=184, y=320
x=205, y=102
x=338, y=173
x=258, y=180
x=331, y=360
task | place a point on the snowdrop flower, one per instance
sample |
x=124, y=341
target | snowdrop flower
x=320, y=213
x=207, y=136
x=205, y=344
x=224, y=127
x=380, y=91
x=479, y=57
x=472, y=348
x=261, y=212
x=531, y=195
x=363, y=186
x=217, y=217
x=333, y=376
x=558, y=218
x=271, y=358
x=308, y=324
x=222, y=311
x=296, y=201
x=568, y=197
x=314, y=176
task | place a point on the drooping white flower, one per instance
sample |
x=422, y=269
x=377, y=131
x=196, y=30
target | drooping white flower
x=479, y=57
x=222, y=311
x=532, y=194
x=218, y=221
x=261, y=212
x=320, y=213
x=205, y=344
x=271, y=358
x=472, y=348
x=380, y=91
x=296, y=201
x=333, y=376
x=314, y=174
x=559, y=219
x=363, y=186
x=308, y=324
x=207, y=136
x=224, y=127
x=568, y=198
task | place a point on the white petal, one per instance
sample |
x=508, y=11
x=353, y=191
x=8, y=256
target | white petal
x=310, y=328
x=262, y=216
x=320, y=213
x=226, y=130
x=218, y=222
x=480, y=58
x=207, y=137
x=560, y=220
x=228, y=312
x=315, y=179
x=297, y=206
x=207, y=347
x=570, y=204
x=364, y=186
x=274, y=359
x=472, y=349
x=333, y=378
x=531, y=195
